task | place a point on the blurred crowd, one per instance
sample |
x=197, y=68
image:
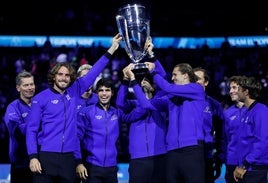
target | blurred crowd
x=221, y=64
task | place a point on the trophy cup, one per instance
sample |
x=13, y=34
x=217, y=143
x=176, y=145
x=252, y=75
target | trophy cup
x=134, y=27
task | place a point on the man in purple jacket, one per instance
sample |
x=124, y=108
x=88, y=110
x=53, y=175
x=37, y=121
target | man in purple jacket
x=213, y=127
x=147, y=136
x=185, y=101
x=98, y=130
x=252, y=145
x=51, y=127
x=15, y=119
x=232, y=115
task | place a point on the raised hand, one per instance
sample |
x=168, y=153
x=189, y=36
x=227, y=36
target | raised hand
x=115, y=43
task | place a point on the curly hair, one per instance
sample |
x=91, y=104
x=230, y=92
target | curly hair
x=251, y=84
x=54, y=70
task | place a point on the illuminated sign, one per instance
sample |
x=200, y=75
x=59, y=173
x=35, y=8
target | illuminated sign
x=159, y=42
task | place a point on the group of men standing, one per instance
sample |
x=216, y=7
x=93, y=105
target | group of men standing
x=178, y=133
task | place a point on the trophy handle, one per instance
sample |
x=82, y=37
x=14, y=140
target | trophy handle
x=122, y=28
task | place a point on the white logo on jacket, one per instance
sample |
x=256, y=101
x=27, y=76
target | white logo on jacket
x=55, y=101
x=68, y=97
x=246, y=120
x=232, y=117
x=24, y=114
x=114, y=117
x=207, y=110
x=98, y=117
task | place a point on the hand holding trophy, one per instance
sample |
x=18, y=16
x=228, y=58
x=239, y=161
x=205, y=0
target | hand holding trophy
x=134, y=27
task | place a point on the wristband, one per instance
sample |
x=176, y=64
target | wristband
x=133, y=82
x=246, y=165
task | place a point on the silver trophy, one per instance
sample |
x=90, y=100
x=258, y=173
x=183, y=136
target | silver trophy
x=134, y=27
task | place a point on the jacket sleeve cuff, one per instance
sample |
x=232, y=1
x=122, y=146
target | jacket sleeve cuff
x=133, y=82
x=246, y=164
x=125, y=82
x=78, y=161
x=153, y=73
x=32, y=156
x=108, y=55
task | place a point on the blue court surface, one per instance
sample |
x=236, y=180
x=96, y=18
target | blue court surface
x=4, y=173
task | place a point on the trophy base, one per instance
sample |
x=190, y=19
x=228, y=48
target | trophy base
x=140, y=70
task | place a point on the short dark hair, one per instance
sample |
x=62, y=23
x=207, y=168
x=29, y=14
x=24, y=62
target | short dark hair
x=251, y=84
x=206, y=74
x=107, y=82
x=234, y=79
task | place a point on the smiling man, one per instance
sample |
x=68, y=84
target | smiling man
x=98, y=130
x=52, y=125
x=252, y=145
x=15, y=116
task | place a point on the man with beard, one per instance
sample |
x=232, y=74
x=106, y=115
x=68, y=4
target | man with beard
x=51, y=129
x=233, y=116
x=213, y=128
x=252, y=145
x=185, y=101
